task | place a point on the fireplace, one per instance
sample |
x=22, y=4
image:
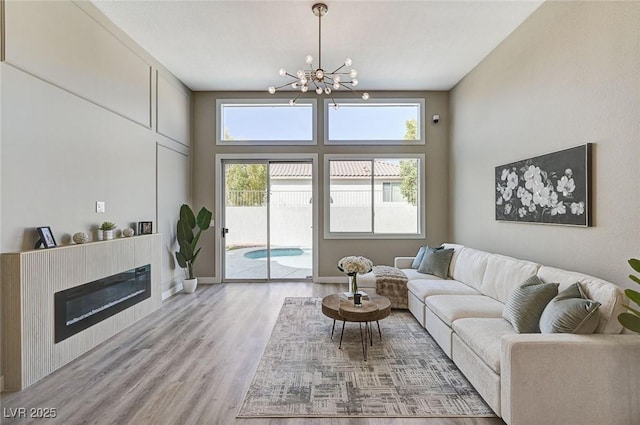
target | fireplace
x=83, y=306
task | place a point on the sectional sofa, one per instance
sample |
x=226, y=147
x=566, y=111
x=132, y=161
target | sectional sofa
x=528, y=378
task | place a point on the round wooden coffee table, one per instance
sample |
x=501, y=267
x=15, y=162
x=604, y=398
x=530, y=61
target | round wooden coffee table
x=372, y=310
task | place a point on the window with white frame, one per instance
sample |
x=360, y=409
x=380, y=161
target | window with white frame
x=373, y=197
x=265, y=122
x=375, y=122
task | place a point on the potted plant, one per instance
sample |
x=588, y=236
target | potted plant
x=107, y=229
x=631, y=320
x=188, y=241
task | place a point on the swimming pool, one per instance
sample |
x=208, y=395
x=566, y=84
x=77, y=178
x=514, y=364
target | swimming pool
x=274, y=252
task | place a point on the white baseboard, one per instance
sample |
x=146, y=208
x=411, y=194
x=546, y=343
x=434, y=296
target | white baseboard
x=170, y=292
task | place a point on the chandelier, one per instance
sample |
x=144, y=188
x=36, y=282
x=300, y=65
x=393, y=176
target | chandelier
x=317, y=78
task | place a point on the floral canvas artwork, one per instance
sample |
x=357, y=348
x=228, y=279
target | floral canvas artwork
x=551, y=188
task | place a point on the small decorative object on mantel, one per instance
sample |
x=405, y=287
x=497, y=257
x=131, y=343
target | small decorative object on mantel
x=188, y=242
x=80, y=237
x=145, y=227
x=107, y=230
x=128, y=232
x=46, y=238
x=631, y=319
x=552, y=188
x=352, y=265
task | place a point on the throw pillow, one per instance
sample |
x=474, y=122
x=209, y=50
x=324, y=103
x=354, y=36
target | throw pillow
x=436, y=262
x=570, y=312
x=418, y=257
x=527, y=302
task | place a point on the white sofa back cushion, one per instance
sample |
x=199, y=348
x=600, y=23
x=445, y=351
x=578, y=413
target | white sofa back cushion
x=456, y=250
x=469, y=267
x=504, y=274
x=610, y=296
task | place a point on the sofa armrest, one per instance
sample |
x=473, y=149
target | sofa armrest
x=570, y=379
x=403, y=262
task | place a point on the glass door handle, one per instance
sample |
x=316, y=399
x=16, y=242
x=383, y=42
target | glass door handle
x=224, y=231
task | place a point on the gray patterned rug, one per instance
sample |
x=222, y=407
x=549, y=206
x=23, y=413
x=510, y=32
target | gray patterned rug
x=302, y=372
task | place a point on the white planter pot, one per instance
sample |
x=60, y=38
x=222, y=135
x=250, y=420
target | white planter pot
x=189, y=285
x=107, y=235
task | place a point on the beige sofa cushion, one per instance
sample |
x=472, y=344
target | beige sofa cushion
x=414, y=275
x=423, y=288
x=456, y=250
x=483, y=336
x=450, y=308
x=470, y=266
x=504, y=274
x=610, y=296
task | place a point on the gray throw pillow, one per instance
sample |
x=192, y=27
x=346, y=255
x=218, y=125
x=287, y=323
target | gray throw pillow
x=570, y=312
x=527, y=302
x=436, y=262
x=418, y=257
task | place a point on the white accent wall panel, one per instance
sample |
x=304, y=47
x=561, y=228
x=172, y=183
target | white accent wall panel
x=58, y=42
x=61, y=154
x=174, y=184
x=174, y=110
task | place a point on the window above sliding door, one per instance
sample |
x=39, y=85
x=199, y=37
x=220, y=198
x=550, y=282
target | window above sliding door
x=375, y=122
x=265, y=122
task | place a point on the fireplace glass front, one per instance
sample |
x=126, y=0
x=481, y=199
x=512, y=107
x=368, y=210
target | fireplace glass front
x=83, y=306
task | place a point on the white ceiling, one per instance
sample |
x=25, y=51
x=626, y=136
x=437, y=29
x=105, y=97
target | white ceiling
x=394, y=45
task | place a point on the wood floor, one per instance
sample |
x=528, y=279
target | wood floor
x=191, y=362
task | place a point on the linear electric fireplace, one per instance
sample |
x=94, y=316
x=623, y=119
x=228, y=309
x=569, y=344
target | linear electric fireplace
x=83, y=306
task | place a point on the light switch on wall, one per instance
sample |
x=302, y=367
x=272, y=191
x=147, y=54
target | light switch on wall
x=100, y=206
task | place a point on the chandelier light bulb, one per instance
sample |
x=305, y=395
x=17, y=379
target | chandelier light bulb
x=336, y=86
x=347, y=62
x=303, y=80
x=319, y=74
x=282, y=72
x=272, y=90
x=354, y=82
x=304, y=89
x=336, y=106
x=327, y=90
x=309, y=59
x=337, y=78
x=353, y=73
x=365, y=96
x=300, y=74
x=319, y=90
x=294, y=85
x=292, y=102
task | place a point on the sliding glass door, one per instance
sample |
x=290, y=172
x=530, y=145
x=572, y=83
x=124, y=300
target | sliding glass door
x=267, y=220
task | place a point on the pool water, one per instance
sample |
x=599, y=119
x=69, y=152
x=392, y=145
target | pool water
x=275, y=252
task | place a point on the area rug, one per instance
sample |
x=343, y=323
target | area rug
x=302, y=373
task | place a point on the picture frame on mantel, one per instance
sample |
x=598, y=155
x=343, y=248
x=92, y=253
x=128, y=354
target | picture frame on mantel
x=145, y=227
x=554, y=188
x=46, y=238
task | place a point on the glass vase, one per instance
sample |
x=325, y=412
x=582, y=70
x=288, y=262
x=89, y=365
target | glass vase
x=353, y=283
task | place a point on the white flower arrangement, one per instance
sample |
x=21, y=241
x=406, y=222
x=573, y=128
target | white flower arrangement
x=354, y=264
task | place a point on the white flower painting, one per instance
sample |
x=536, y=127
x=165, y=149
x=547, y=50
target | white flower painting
x=552, y=188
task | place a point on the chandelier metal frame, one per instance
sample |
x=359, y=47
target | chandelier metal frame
x=317, y=78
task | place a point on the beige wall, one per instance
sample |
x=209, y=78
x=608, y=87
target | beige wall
x=568, y=75
x=330, y=251
x=87, y=115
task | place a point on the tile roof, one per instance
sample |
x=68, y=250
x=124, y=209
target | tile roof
x=338, y=169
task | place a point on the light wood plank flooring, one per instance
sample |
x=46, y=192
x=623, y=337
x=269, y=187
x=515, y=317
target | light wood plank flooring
x=191, y=362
